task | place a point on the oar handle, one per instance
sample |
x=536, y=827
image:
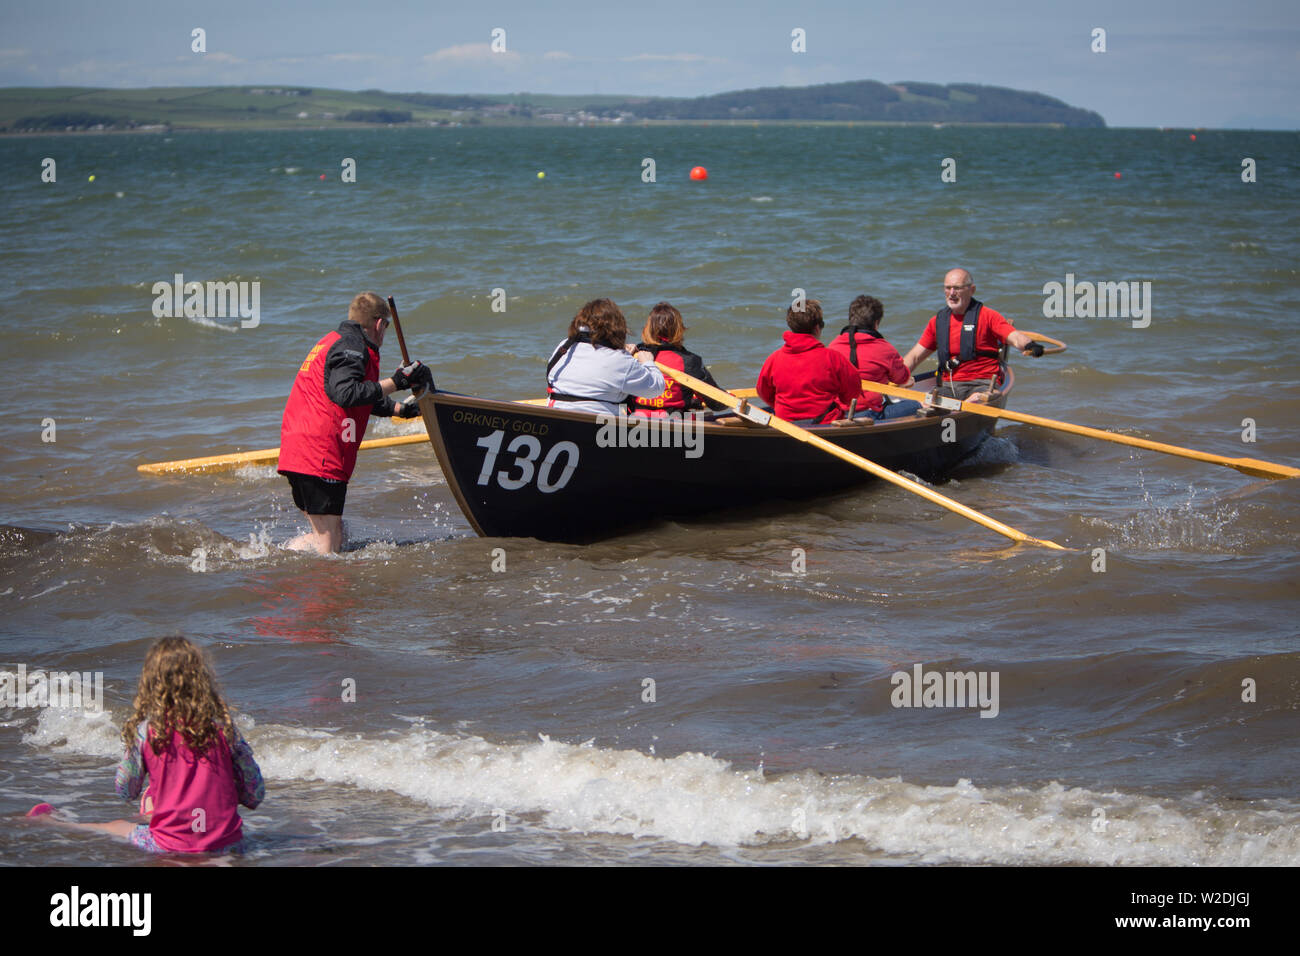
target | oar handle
x=401, y=343
x=1059, y=345
x=397, y=327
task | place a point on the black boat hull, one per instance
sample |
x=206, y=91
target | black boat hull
x=521, y=470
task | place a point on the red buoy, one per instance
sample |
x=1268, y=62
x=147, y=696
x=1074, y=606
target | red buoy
x=1118, y=175
x=699, y=172
x=1193, y=136
x=322, y=175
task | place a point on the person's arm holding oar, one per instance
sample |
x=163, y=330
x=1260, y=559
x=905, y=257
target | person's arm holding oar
x=1024, y=341
x=320, y=435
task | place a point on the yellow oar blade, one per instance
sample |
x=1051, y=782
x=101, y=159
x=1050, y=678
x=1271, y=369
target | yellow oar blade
x=803, y=435
x=267, y=456
x=1249, y=466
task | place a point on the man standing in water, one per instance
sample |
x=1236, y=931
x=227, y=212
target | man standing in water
x=336, y=391
x=969, y=347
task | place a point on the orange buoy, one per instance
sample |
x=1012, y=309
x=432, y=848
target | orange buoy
x=699, y=172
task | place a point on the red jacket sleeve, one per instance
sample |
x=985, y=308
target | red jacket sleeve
x=766, y=387
x=847, y=379
x=1000, y=326
x=897, y=370
x=927, y=340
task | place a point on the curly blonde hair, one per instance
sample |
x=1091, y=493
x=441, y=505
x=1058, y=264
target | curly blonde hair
x=178, y=692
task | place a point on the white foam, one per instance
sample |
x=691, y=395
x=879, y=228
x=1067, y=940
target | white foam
x=207, y=323
x=694, y=799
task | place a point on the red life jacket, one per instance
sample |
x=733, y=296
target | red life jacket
x=315, y=437
x=673, y=398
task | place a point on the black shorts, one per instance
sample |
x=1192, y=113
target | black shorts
x=317, y=496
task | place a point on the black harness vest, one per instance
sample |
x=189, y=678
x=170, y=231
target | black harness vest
x=560, y=353
x=969, y=328
x=555, y=396
x=852, y=330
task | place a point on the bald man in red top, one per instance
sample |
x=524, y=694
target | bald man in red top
x=973, y=342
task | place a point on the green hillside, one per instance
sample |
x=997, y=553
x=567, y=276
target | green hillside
x=69, y=109
x=213, y=107
x=869, y=101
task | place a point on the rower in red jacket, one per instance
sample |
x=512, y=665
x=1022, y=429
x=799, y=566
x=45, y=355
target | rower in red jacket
x=876, y=360
x=336, y=391
x=804, y=381
x=662, y=337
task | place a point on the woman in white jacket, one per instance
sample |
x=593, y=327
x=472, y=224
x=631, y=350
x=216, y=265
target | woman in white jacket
x=594, y=369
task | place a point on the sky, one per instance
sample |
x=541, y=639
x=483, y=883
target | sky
x=1185, y=63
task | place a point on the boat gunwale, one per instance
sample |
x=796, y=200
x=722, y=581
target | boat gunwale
x=859, y=427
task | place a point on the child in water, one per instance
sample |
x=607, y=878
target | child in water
x=185, y=760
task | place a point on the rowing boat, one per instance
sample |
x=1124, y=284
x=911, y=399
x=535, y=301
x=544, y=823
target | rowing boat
x=520, y=470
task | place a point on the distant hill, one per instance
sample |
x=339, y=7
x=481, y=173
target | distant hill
x=869, y=101
x=78, y=109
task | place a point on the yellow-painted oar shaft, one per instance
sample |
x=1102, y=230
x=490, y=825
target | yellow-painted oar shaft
x=267, y=456
x=1249, y=466
x=803, y=435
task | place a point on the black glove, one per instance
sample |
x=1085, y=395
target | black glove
x=406, y=410
x=413, y=376
x=422, y=377
x=1035, y=349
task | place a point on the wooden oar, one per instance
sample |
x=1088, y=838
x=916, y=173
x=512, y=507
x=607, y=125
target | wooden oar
x=1249, y=466
x=401, y=344
x=1059, y=346
x=757, y=415
x=397, y=327
x=267, y=456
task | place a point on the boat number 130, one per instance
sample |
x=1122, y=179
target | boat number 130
x=526, y=448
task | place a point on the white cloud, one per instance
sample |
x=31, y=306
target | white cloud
x=354, y=57
x=468, y=53
x=672, y=58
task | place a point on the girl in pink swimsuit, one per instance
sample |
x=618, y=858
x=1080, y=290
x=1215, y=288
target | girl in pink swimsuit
x=181, y=739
